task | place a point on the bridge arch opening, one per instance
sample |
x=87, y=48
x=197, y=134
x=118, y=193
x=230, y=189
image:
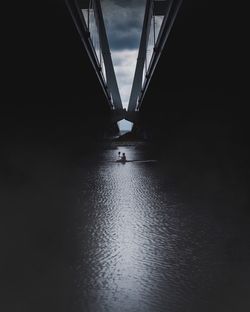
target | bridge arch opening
x=125, y=125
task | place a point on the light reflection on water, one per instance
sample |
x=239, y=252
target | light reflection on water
x=141, y=249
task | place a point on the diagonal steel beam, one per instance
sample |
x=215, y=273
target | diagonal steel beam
x=83, y=31
x=110, y=87
x=110, y=73
x=170, y=10
x=137, y=82
x=166, y=27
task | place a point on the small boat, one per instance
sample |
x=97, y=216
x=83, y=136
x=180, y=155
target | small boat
x=122, y=161
x=141, y=161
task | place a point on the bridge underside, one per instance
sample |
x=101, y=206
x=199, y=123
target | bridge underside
x=199, y=90
x=199, y=79
x=89, y=21
x=53, y=87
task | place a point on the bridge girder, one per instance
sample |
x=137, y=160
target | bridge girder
x=110, y=86
x=168, y=9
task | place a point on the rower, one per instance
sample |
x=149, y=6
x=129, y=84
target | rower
x=119, y=156
x=123, y=158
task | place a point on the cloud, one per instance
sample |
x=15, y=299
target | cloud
x=124, y=65
x=123, y=20
x=125, y=3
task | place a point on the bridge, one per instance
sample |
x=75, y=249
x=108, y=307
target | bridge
x=61, y=68
x=89, y=21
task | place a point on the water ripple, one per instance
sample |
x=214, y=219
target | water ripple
x=142, y=249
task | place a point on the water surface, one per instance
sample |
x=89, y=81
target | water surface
x=84, y=233
x=144, y=247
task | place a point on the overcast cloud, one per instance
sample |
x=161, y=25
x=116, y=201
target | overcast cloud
x=123, y=20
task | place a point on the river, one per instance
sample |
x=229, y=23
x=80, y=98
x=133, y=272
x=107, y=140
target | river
x=144, y=247
x=92, y=235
